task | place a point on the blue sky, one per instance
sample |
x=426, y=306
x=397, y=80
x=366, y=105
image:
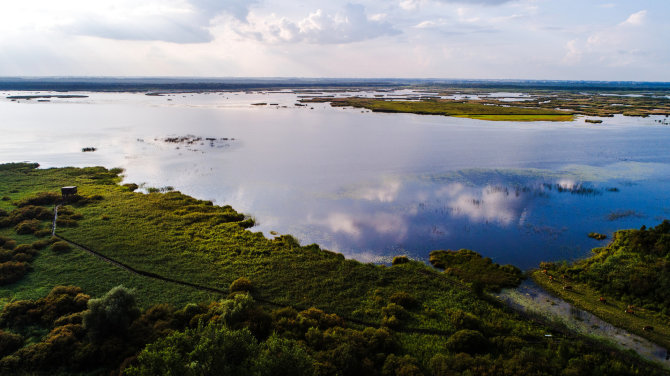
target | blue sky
x=518, y=39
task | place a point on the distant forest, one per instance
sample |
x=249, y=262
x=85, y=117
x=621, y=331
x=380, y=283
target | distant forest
x=217, y=84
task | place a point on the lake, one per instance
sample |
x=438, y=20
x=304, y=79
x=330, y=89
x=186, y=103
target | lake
x=369, y=185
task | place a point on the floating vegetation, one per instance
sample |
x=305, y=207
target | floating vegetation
x=597, y=236
x=88, y=149
x=593, y=121
x=160, y=190
x=575, y=189
x=29, y=97
x=620, y=214
x=189, y=141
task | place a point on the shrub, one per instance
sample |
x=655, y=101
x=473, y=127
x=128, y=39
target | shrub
x=131, y=186
x=401, y=366
x=66, y=222
x=464, y=320
x=9, y=342
x=73, y=318
x=41, y=244
x=314, y=317
x=25, y=248
x=404, y=299
x=9, y=364
x=41, y=199
x=61, y=301
x=9, y=244
x=61, y=246
x=12, y=271
x=3, y=240
x=6, y=255
x=467, y=341
x=400, y=260
x=393, y=309
x=3, y=213
x=28, y=226
x=22, y=257
x=391, y=322
x=42, y=233
x=18, y=313
x=241, y=284
x=29, y=212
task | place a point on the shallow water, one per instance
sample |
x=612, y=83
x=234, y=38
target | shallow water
x=531, y=298
x=369, y=185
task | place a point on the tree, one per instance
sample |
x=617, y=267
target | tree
x=110, y=315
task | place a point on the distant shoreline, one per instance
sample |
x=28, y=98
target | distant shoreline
x=136, y=84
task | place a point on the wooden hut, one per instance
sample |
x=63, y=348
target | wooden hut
x=68, y=191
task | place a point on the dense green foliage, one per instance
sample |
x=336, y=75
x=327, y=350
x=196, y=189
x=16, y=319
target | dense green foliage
x=634, y=268
x=338, y=316
x=469, y=266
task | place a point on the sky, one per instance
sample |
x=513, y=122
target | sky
x=449, y=39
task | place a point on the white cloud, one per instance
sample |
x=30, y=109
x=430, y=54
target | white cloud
x=351, y=24
x=183, y=21
x=573, y=54
x=409, y=4
x=635, y=19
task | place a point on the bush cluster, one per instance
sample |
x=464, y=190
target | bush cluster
x=471, y=267
x=25, y=213
x=41, y=199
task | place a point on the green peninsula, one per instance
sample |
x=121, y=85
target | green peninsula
x=452, y=108
x=626, y=283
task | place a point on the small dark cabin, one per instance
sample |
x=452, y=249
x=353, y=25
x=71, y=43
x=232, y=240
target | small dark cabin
x=68, y=191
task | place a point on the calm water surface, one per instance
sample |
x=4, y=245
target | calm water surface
x=365, y=184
